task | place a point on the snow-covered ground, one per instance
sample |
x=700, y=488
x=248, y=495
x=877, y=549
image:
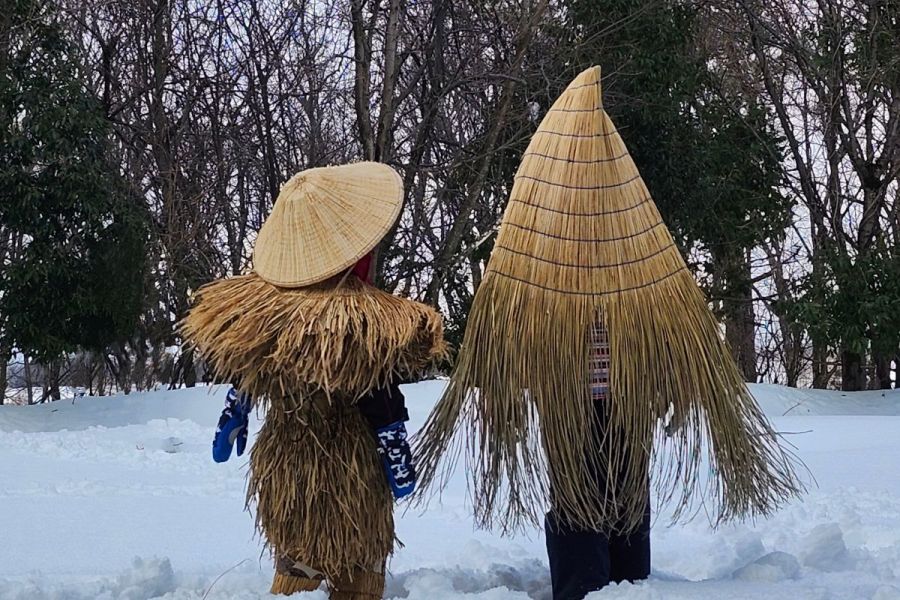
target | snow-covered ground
x=118, y=498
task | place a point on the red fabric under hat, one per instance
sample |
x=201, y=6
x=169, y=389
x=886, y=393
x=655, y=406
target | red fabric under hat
x=363, y=268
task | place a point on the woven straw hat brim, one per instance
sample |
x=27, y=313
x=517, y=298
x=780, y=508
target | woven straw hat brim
x=325, y=220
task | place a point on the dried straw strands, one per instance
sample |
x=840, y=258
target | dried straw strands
x=581, y=240
x=320, y=494
x=341, y=336
x=309, y=354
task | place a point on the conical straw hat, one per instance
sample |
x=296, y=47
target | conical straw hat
x=582, y=242
x=325, y=220
x=580, y=219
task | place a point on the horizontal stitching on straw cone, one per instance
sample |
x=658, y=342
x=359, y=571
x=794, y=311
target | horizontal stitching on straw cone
x=576, y=135
x=583, y=85
x=580, y=187
x=575, y=110
x=588, y=240
x=582, y=266
x=575, y=161
x=643, y=201
x=575, y=293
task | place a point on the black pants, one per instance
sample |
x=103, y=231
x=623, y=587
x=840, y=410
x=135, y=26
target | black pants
x=383, y=406
x=585, y=561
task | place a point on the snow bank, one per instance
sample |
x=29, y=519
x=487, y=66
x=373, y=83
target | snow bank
x=115, y=411
x=779, y=401
x=88, y=487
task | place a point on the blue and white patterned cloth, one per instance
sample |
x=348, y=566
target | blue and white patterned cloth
x=233, y=425
x=397, y=458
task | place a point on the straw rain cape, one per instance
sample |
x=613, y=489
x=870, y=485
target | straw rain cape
x=580, y=240
x=308, y=340
x=342, y=337
x=308, y=354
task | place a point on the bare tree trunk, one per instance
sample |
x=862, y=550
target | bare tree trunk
x=4, y=363
x=853, y=371
x=362, y=52
x=384, y=137
x=92, y=373
x=184, y=370
x=101, y=379
x=882, y=380
x=897, y=371
x=29, y=380
x=740, y=331
x=792, y=349
x=119, y=364
x=5, y=248
x=455, y=236
x=737, y=308
x=190, y=371
x=51, y=381
x=430, y=108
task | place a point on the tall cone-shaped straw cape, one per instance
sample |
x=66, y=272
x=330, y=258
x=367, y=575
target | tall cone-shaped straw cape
x=581, y=240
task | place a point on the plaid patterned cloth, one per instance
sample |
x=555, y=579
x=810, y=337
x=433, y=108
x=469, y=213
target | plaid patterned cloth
x=598, y=361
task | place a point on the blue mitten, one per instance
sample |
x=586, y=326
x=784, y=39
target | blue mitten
x=397, y=458
x=233, y=425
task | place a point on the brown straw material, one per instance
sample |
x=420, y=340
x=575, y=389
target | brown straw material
x=357, y=585
x=307, y=354
x=325, y=220
x=319, y=490
x=582, y=240
x=344, y=337
x=287, y=585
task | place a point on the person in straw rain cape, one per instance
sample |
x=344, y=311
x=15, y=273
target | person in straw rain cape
x=585, y=283
x=309, y=339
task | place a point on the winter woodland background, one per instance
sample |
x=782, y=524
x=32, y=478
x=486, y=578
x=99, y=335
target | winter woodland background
x=143, y=143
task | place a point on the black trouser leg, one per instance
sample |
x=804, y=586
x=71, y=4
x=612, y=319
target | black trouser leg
x=584, y=561
x=579, y=560
x=629, y=555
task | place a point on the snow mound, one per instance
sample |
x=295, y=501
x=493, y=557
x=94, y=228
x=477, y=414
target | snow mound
x=824, y=549
x=777, y=401
x=84, y=487
x=887, y=592
x=138, y=408
x=774, y=566
x=145, y=579
x=528, y=580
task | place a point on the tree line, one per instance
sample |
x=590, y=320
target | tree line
x=144, y=142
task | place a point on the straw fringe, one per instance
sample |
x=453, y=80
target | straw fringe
x=519, y=398
x=307, y=355
x=582, y=240
x=285, y=344
x=357, y=585
x=319, y=490
x=287, y=585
